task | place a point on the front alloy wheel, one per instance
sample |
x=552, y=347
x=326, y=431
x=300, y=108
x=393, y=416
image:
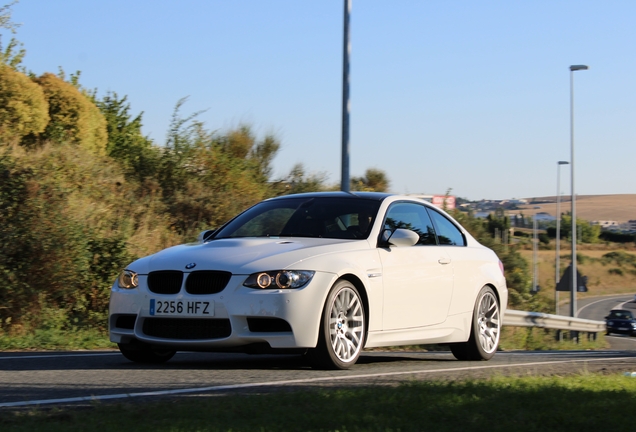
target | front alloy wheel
x=342, y=328
x=485, y=330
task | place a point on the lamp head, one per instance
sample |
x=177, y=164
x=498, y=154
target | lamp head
x=563, y=162
x=578, y=67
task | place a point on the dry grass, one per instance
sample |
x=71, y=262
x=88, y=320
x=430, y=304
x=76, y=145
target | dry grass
x=600, y=280
x=619, y=208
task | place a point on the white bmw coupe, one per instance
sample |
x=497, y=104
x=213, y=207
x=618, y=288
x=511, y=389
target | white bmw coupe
x=325, y=274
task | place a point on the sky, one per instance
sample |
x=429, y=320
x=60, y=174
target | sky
x=467, y=96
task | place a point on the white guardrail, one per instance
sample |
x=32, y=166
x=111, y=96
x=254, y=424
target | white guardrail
x=517, y=318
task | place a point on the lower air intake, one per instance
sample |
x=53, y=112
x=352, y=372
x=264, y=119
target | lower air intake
x=187, y=328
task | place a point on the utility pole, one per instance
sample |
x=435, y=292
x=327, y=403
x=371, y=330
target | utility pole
x=344, y=179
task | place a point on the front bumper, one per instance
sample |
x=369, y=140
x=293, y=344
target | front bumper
x=622, y=329
x=240, y=316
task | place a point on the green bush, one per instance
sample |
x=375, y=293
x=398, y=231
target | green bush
x=619, y=258
x=60, y=244
x=74, y=118
x=23, y=107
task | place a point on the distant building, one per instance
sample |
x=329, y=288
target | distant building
x=608, y=225
x=446, y=202
x=517, y=201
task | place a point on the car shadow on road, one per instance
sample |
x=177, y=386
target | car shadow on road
x=206, y=361
x=209, y=361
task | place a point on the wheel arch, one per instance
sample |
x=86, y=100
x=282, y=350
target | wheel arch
x=503, y=304
x=496, y=291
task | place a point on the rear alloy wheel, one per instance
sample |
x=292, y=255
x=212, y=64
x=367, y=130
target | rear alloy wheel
x=143, y=354
x=342, y=328
x=485, y=329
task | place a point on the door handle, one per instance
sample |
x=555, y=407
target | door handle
x=444, y=260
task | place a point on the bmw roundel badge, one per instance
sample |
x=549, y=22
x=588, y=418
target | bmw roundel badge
x=191, y=266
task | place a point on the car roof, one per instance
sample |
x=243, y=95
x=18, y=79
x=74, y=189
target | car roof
x=621, y=311
x=377, y=196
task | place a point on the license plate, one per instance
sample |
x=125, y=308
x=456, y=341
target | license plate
x=622, y=328
x=199, y=308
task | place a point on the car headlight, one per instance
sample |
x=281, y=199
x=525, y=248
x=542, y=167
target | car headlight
x=279, y=279
x=128, y=279
x=610, y=323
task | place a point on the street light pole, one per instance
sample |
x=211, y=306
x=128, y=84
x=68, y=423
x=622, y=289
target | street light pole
x=574, y=282
x=558, y=234
x=535, y=247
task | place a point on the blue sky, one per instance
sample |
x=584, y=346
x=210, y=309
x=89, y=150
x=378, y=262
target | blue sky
x=468, y=95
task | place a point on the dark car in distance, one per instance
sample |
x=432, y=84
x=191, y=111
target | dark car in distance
x=620, y=321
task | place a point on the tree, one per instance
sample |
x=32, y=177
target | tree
x=10, y=56
x=74, y=118
x=208, y=177
x=498, y=221
x=586, y=232
x=23, y=107
x=374, y=180
x=5, y=17
x=126, y=143
x=299, y=181
x=262, y=155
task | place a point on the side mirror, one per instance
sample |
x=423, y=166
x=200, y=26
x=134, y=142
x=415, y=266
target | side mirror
x=403, y=237
x=205, y=235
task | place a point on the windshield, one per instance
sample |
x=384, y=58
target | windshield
x=620, y=315
x=339, y=218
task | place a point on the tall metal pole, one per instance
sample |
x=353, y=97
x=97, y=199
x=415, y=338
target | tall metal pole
x=573, y=280
x=535, y=246
x=558, y=235
x=344, y=178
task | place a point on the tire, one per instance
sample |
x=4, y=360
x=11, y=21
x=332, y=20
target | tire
x=343, y=329
x=143, y=354
x=485, y=329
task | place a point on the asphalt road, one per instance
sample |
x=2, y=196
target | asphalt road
x=32, y=379
x=29, y=379
x=597, y=308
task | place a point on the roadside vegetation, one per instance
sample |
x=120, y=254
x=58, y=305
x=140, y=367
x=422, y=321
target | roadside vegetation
x=83, y=192
x=564, y=403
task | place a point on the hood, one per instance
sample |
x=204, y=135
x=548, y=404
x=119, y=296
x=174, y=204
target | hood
x=243, y=255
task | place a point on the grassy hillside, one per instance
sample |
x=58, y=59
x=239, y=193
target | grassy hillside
x=619, y=208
